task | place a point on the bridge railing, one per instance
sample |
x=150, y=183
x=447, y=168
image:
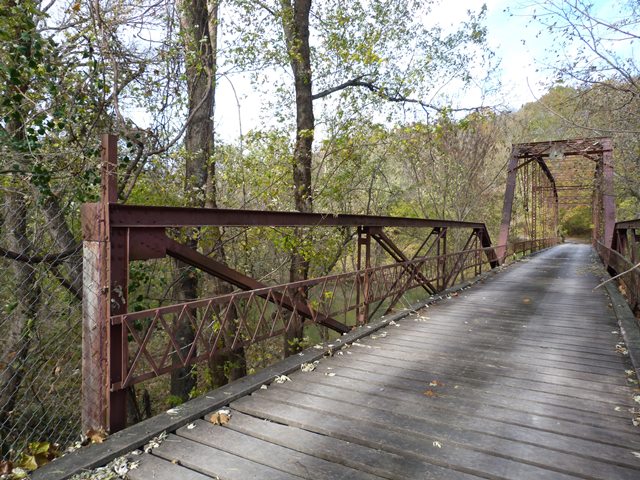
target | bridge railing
x=623, y=257
x=150, y=345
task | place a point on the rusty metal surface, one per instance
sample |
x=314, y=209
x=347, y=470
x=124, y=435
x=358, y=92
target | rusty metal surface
x=578, y=146
x=263, y=314
x=137, y=216
x=550, y=179
x=622, y=259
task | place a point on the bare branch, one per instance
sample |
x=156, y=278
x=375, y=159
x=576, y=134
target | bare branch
x=51, y=258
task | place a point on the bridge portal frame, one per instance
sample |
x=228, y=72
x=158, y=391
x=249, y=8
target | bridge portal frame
x=598, y=149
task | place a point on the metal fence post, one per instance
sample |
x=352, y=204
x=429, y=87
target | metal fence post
x=104, y=295
x=364, y=240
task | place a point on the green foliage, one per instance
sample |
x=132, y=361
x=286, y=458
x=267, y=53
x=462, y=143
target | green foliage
x=36, y=455
x=577, y=221
x=172, y=401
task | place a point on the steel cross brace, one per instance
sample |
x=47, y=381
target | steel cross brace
x=162, y=245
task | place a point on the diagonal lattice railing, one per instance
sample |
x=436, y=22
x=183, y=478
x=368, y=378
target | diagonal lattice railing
x=150, y=345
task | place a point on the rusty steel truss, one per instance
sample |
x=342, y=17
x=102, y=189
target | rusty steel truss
x=122, y=348
x=623, y=258
x=537, y=167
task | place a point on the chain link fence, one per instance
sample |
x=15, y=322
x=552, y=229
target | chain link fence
x=40, y=310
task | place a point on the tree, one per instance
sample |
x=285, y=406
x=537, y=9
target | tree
x=365, y=52
x=593, y=53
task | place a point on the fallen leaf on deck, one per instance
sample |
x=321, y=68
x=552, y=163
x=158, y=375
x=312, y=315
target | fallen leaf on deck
x=5, y=467
x=620, y=348
x=436, y=383
x=96, y=436
x=526, y=300
x=263, y=387
x=308, y=367
x=437, y=444
x=282, y=379
x=155, y=442
x=221, y=417
x=430, y=393
x=191, y=426
x=330, y=374
x=122, y=465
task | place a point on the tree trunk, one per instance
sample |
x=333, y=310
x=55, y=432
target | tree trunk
x=22, y=320
x=199, y=60
x=199, y=24
x=295, y=24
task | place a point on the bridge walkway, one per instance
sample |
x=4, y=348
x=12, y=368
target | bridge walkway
x=517, y=377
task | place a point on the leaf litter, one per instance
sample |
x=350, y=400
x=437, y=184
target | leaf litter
x=220, y=417
x=281, y=379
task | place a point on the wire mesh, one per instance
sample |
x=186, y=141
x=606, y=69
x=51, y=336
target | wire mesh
x=41, y=293
x=40, y=323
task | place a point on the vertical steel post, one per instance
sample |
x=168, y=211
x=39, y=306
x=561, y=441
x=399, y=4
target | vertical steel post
x=608, y=195
x=596, y=204
x=507, y=208
x=118, y=291
x=96, y=297
x=95, y=308
x=442, y=260
x=362, y=292
x=534, y=202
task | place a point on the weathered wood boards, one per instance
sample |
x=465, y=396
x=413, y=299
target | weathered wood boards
x=515, y=379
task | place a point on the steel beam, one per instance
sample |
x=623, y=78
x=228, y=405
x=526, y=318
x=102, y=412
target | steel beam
x=608, y=194
x=137, y=216
x=220, y=270
x=507, y=207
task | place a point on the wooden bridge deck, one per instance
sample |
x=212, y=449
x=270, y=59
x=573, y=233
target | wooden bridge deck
x=516, y=378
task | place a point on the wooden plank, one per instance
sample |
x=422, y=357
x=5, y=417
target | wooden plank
x=216, y=463
x=265, y=453
x=595, y=382
x=498, y=327
x=372, y=460
x=541, y=357
x=387, y=372
x=512, y=360
x=628, y=325
x=433, y=414
x=474, y=398
x=154, y=468
x=421, y=446
x=479, y=341
x=403, y=366
x=519, y=335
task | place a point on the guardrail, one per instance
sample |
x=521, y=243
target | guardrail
x=150, y=347
x=622, y=259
